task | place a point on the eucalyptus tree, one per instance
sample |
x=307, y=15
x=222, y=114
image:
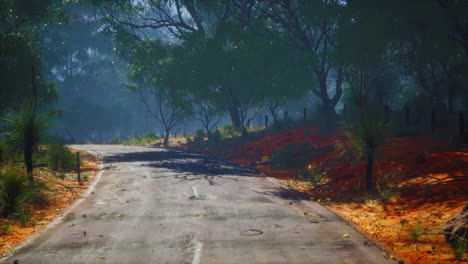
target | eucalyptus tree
x=309, y=26
x=150, y=61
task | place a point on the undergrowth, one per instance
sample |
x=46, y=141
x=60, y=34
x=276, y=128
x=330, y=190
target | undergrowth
x=16, y=193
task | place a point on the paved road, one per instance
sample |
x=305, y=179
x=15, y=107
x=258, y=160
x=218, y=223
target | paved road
x=164, y=206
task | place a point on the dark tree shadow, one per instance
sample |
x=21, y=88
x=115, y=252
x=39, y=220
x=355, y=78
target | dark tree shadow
x=190, y=166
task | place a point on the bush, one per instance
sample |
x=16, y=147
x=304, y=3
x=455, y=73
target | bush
x=291, y=156
x=200, y=133
x=216, y=136
x=116, y=140
x=3, y=150
x=16, y=192
x=151, y=135
x=228, y=131
x=313, y=175
x=59, y=158
x=285, y=158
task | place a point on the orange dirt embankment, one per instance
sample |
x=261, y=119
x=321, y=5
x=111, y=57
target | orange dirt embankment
x=423, y=182
x=60, y=194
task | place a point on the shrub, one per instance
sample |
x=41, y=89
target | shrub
x=284, y=158
x=460, y=246
x=313, y=175
x=416, y=231
x=116, y=140
x=59, y=157
x=293, y=155
x=3, y=150
x=151, y=135
x=200, y=133
x=228, y=131
x=16, y=192
x=216, y=136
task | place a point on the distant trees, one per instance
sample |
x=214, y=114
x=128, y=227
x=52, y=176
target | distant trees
x=242, y=56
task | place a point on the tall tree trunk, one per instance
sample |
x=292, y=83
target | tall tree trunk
x=235, y=117
x=369, y=169
x=166, y=138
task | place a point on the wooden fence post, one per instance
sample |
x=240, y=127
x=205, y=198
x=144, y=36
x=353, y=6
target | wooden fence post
x=266, y=121
x=305, y=114
x=285, y=115
x=78, y=166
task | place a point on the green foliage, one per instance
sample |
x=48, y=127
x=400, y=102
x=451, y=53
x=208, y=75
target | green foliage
x=386, y=188
x=286, y=157
x=216, y=136
x=228, y=131
x=416, y=231
x=116, y=140
x=200, y=133
x=313, y=175
x=3, y=150
x=143, y=139
x=60, y=158
x=460, y=247
x=26, y=128
x=16, y=193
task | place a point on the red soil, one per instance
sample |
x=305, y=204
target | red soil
x=60, y=194
x=428, y=179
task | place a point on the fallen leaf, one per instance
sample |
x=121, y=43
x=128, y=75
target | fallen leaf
x=197, y=215
x=346, y=236
x=102, y=257
x=205, y=215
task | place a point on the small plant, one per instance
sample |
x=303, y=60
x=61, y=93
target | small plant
x=228, y=131
x=60, y=158
x=460, y=247
x=386, y=187
x=5, y=228
x=416, y=231
x=16, y=192
x=313, y=175
x=116, y=140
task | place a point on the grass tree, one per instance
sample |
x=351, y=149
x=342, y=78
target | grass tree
x=363, y=139
x=25, y=128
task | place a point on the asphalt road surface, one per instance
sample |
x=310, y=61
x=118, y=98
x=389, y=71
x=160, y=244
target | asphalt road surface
x=155, y=205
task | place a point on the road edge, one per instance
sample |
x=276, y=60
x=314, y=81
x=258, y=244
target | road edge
x=62, y=215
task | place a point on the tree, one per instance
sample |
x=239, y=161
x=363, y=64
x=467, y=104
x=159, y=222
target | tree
x=149, y=64
x=309, y=26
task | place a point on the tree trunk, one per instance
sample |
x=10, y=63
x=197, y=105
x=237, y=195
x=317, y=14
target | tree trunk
x=235, y=118
x=28, y=153
x=275, y=116
x=208, y=132
x=166, y=139
x=369, y=169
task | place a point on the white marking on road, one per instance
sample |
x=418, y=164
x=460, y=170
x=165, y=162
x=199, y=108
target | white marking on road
x=195, y=192
x=198, y=251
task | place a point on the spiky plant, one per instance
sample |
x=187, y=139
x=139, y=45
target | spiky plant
x=25, y=129
x=363, y=139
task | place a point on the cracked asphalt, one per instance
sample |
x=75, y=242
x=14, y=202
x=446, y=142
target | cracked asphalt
x=155, y=205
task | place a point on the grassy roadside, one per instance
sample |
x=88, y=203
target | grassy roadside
x=59, y=189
